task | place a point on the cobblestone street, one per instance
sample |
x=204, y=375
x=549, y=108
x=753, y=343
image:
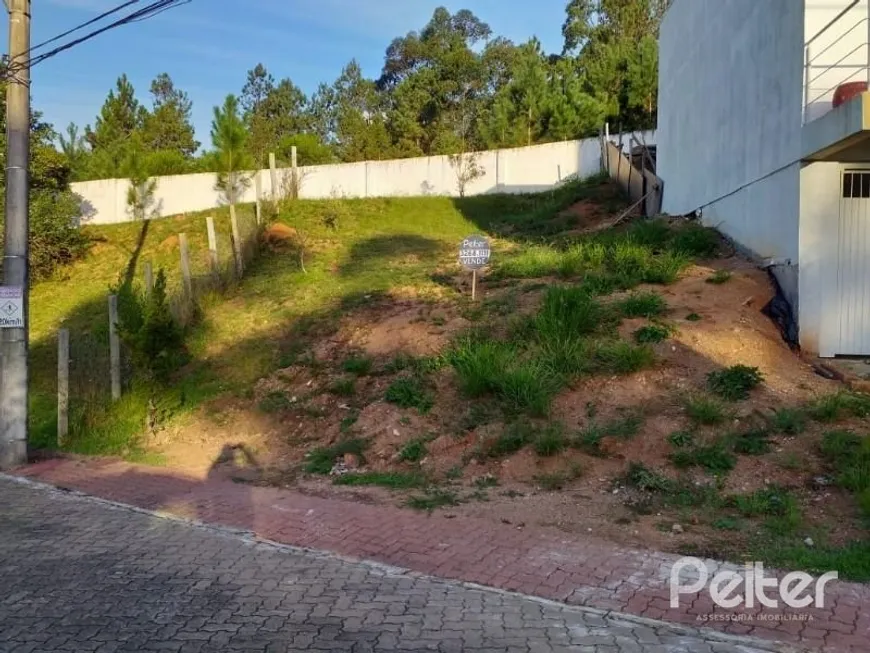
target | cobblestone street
x=83, y=575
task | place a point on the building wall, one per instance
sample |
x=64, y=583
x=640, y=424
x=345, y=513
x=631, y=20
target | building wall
x=838, y=53
x=526, y=169
x=730, y=115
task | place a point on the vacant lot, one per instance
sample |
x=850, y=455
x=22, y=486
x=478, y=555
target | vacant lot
x=614, y=379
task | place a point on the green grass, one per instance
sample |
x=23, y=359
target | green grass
x=589, y=439
x=275, y=402
x=555, y=481
x=433, y=499
x=391, y=480
x=514, y=437
x=734, y=383
x=840, y=405
x=652, y=333
x=413, y=451
x=551, y=440
x=643, y=304
x=714, y=457
x=410, y=392
x=789, y=421
x=643, y=478
x=680, y=439
x=719, y=277
x=754, y=442
x=358, y=365
x=851, y=561
x=705, y=410
x=322, y=459
x=343, y=387
x=620, y=357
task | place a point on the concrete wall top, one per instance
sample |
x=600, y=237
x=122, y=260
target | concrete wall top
x=517, y=170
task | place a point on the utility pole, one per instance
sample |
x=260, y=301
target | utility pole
x=13, y=339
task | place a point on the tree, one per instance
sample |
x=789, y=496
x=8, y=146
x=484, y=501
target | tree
x=74, y=147
x=356, y=116
x=55, y=238
x=270, y=111
x=168, y=126
x=436, y=81
x=615, y=45
x=231, y=157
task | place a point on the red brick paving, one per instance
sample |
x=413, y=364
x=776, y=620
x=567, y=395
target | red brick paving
x=536, y=561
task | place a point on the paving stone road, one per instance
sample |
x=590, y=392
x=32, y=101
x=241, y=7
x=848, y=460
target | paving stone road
x=77, y=574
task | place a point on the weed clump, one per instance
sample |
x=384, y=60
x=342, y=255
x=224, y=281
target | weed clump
x=735, y=382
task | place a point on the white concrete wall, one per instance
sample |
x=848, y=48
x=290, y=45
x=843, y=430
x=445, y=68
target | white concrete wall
x=838, y=54
x=818, y=315
x=526, y=169
x=730, y=116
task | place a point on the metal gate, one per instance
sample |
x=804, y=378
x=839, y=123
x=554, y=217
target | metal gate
x=853, y=264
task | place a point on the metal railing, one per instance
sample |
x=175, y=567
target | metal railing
x=847, y=68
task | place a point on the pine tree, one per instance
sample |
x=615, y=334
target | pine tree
x=230, y=139
x=168, y=127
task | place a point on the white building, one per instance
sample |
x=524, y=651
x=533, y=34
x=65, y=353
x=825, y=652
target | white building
x=748, y=135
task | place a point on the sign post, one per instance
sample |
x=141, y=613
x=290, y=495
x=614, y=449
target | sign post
x=474, y=253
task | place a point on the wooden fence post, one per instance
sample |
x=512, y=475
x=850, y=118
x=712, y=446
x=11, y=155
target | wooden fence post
x=295, y=177
x=185, y=266
x=273, y=173
x=114, y=348
x=237, y=243
x=62, y=386
x=258, y=189
x=149, y=279
x=212, y=246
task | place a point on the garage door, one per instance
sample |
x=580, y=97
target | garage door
x=853, y=273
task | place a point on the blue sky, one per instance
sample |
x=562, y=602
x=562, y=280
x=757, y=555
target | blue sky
x=208, y=45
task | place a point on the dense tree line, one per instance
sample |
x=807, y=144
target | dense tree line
x=451, y=87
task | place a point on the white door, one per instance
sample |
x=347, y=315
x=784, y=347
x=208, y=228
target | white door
x=853, y=271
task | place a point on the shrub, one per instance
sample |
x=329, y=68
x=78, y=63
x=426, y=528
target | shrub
x=752, y=443
x=833, y=407
x=515, y=436
x=648, y=480
x=651, y=334
x=693, y=317
x=551, y=440
x=570, y=312
x=735, y=382
x=643, y=304
x=358, y=365
x=680, y=439
x=413, y=451
x=713, y=457
x=409, y=392
x=790, y=421
x=624, y=358
x=527, y=386
x=147, y=327
x=705, y=410
x=343, y=387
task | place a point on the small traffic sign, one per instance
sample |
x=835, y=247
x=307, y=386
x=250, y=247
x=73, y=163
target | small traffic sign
x=11, y=307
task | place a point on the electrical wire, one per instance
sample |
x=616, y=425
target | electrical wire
x=103, y=15
x=156, y=7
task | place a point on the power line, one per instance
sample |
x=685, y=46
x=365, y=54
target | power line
x=105, y=14
x=154, y=8
x=157, y=7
